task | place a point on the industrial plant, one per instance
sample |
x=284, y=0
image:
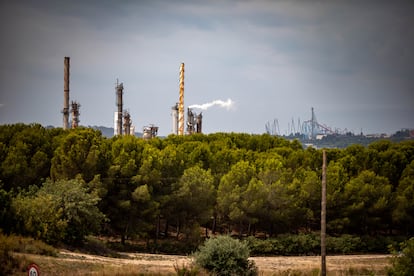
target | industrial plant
x=122, y=118
x=75, y=105
x=309, y=132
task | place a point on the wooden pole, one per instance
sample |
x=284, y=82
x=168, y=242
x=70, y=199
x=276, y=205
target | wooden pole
x=323, y=216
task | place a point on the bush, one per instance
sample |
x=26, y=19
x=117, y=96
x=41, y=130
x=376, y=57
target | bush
x=20, y=244
x=302, y=244
x=309, y=244
x=11, y=263
x=224, y=255
x=403, y=262
x=185, y=270
x=344, y=244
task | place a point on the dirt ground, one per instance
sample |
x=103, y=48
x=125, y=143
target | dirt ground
x=164, y=264
x=156, y=264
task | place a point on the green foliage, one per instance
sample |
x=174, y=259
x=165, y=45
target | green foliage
x=286, y=245
x=403, y=262
x=403, y=213
x=369, y=206
x=59, y=211
x=25, y=152
x=224, y=255
x=345, y=244
x=194, y=195
x=223, y=182
x=309, y=244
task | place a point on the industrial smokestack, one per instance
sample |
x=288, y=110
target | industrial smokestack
x=181, y=102
x=65, y=110
x=174, y=114
x=119, y=92
x=75, y=114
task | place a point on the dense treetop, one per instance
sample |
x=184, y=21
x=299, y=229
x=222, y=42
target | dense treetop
x=225, y=182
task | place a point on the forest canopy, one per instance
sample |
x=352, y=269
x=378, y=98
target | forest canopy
x=64, y=184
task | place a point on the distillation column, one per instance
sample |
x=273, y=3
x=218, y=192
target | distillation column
x=65, y=110
x=75, y=114
x=199, y=122
x=174, y=114
x=181, y=102
x=118, y=119
x=127, y=123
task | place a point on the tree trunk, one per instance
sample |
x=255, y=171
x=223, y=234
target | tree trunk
x=157, y=231
x=166, y=228
x=178, y=230
x=213, y=227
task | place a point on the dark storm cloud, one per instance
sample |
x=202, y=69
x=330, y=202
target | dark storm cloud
x=351, y=60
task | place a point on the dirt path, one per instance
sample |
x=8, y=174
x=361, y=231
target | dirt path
x=164, y=264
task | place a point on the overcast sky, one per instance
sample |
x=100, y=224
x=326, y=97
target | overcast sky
x=353, y=61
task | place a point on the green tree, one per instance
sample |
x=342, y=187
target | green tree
x=306, y=186
x=403, y=263
x=194, y=198
x=369, y=203
x=403, y=214
x=25, y=157
x=132, y=179
x=230, y=190
x=253, y=202
x=79, y=207
x=59, y=211
x=336, y=179
x=79, y=152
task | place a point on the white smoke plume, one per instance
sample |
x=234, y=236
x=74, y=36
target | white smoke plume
x=227, y=104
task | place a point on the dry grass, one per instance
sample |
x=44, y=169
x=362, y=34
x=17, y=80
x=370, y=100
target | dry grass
x=336, y=265
x=69, y=263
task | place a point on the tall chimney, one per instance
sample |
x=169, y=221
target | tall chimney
x=119, y=92
x=181, y=102
x=65, y=110
x=174, y=114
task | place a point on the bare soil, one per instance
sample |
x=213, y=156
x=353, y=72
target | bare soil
x=156, y=264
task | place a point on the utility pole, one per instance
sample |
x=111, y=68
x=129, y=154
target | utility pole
x=323, y=216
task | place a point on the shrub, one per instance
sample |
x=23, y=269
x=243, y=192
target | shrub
x=302, y=244
x=26, y=245
x=10, y=264
x=344, y=244
x=403, y=263
x=186, y=270
x=224, y=255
